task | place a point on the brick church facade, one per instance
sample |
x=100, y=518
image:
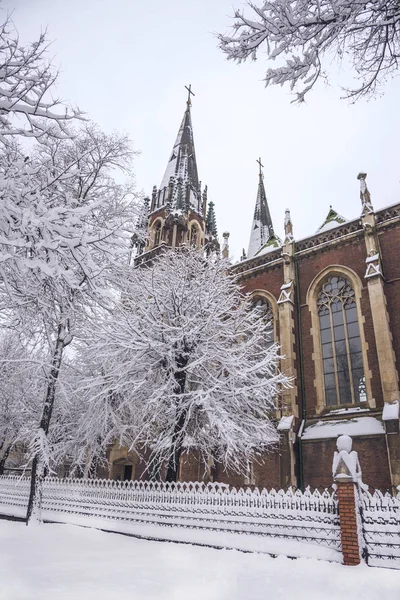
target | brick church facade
x=333, y=300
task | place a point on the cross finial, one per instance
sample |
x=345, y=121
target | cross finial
x=260, y=164
x=190, y=93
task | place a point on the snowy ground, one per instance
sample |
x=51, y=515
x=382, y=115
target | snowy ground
x=60, y=562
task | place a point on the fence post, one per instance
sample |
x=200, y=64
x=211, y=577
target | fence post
x=346, y=475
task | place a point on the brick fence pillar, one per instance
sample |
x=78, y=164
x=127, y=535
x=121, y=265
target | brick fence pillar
x=348, y=522
x=347, y=474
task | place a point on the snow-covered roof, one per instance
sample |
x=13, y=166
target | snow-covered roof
x=285, y=423
x=272, y=244
x=334, y=427
x=333, y=219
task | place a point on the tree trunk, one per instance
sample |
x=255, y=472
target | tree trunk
x=4, y=452
x=178, y=433
x=37, y=473
x=176, y=449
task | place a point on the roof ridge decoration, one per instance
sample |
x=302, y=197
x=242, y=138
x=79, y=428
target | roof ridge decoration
x=262, y=236
x=333, y=219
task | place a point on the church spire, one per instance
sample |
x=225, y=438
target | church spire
x=262, y=230
x=182, y=168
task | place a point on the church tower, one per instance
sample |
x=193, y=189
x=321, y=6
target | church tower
x=262, y=236
x=178, y=210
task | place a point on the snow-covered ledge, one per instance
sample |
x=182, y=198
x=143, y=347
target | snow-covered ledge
x=390, y=417
x=285, y=424
x=390, y=411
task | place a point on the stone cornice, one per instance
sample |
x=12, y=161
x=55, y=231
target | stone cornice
x=343, y=234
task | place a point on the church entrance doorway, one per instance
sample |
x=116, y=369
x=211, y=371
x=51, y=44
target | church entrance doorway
x=127, y=472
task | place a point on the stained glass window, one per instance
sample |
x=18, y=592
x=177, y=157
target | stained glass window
x=344, y=379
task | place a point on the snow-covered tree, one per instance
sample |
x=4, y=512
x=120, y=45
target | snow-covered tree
x=64, y=224
x=300, y=34
x=27, y=80
x=81, y=434
x=21, y=386
x=185, y=364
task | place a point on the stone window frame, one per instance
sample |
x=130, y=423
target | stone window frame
x=154, y=225
x=315, y=332
x=275, y=311
x=195, y=223
x=274, y=306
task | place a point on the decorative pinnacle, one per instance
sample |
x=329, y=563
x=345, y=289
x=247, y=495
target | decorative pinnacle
x=225, y=247
x=288, y=226
x=190, y=93
x=365, y=196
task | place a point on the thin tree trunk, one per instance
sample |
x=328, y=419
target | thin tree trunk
x=176, y=444
x=37, y=473
x=4, y=455
x=88, y=464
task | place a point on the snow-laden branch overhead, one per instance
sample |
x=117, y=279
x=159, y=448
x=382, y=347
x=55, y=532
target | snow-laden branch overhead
x=27, y=78
x=298, y=35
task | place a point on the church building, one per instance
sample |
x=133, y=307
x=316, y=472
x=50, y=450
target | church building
x=333, y=303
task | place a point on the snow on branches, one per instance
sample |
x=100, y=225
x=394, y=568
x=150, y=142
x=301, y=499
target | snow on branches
x=186, y=363
x=65, y=226
x=20, y=389
x=26, y=81
x=300, y=33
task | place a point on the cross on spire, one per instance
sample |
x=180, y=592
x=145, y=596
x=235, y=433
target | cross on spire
x=190, y=93
x=260, y=164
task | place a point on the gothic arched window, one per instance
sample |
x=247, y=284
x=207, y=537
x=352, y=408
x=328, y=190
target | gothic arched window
x=157, y=234
x=262, y=305
x=344, y=381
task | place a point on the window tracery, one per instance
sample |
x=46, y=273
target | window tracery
x=343, y=370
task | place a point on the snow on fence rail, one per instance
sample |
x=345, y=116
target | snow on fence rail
x=381, y=528
x=292, y=514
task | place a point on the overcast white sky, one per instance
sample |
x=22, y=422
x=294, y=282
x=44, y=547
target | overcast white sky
x=126, y=62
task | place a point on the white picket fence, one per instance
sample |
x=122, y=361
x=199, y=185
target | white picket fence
x=292, y=514
x=381, y=528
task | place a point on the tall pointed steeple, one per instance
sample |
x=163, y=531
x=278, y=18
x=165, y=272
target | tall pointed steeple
x=262, y=233
x=181, y=173
x=179, y=207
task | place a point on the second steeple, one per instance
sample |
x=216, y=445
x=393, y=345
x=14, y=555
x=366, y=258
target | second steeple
x=262, y=234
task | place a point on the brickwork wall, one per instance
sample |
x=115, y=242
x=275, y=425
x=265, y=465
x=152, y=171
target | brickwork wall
x=269, y=279
x=372, y=453
x=191, y=469
x=266, y=471
x=348, y=524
